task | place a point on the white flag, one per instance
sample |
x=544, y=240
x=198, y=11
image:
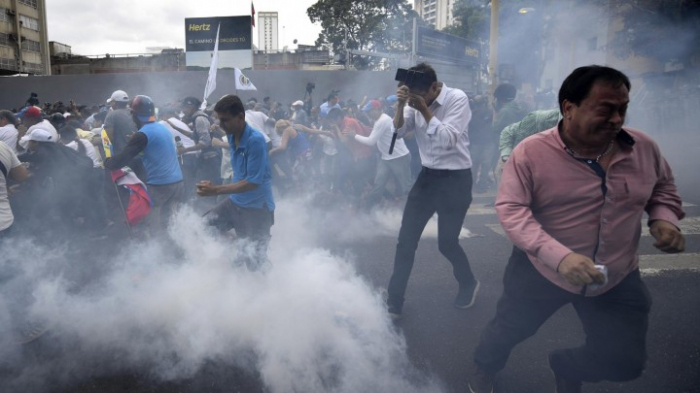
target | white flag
x=242, y=82
x=211, y=80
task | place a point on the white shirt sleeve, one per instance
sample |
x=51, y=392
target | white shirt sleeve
x=409, y=122
x=454, y=122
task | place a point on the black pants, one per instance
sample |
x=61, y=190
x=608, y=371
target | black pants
x=449, y=193
x=615, y=324
x=251, y=224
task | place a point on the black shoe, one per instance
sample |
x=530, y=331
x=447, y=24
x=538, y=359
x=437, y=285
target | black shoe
x=479, y=380
x=393, y=309
x=563, y=385
x=467, y=295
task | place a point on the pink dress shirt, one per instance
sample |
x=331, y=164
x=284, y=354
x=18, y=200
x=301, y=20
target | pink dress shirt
x=551, y=204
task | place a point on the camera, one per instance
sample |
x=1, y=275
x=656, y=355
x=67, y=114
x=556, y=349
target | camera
x=412, y=79
x=310, y=87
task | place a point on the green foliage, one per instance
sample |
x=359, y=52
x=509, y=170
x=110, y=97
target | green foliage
x=471, y=20
x=663, y=30
x=379, y=25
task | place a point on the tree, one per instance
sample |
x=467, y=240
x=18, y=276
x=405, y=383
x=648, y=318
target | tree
x=379, y=25
x=664, y=30
x=471, y=20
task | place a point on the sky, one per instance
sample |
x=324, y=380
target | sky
x=131, y=26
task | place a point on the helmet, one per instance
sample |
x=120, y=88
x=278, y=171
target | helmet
x=143, y=109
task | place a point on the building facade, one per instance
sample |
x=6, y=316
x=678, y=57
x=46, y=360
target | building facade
x=437, y=13
x=23, y=38
x=268, y=32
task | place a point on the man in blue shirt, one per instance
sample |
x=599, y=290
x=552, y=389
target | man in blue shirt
x=331, y=103
x=156, y=147
x=249, y=209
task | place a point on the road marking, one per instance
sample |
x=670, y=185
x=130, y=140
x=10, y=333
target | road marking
x=689, y=226
x=658, y=262
x=479, y=209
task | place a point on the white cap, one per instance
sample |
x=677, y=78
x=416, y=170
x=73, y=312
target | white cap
x=119, y=96
x=38, y=135
x=298, y=103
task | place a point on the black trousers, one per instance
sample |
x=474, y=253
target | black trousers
x=249, y=223
x=449, y=193
x=615, y=324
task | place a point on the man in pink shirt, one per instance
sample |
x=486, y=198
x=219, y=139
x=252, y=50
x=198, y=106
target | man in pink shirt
x=571, y=200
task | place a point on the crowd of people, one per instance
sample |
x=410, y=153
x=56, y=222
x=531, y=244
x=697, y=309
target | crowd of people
x=426, y=147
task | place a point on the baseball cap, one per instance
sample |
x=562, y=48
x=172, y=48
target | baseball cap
x=192, y=101
x=372, y=104
x=32, y=112
x=118, y=96
x=298, y=103
x=38, y=135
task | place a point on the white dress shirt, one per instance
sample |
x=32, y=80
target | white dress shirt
x=443, y=143
x=381, y=135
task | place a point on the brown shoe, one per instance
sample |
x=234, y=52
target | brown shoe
x=479, y=380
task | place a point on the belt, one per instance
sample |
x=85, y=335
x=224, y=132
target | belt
x=445, y=172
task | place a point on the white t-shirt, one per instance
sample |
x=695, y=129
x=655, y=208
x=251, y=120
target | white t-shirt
x=9, y=135
x=9, y=160
x=89, y=151
x=257, y=121
x=44, y=125
x=186, y=141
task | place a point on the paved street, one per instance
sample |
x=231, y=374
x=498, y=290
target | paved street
x=441, y=338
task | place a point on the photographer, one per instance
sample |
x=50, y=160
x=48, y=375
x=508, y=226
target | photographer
x=438, y=116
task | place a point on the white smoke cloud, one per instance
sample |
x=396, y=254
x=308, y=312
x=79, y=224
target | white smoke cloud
x=165, y=308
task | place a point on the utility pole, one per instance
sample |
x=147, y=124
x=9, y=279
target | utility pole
x=493, y=48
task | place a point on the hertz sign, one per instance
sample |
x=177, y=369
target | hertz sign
x=235, y=41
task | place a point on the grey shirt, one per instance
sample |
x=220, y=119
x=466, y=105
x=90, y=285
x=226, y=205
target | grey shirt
x=123, y=128
x=200, y=127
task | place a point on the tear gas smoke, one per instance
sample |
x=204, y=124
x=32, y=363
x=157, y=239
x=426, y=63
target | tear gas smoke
x=164, y=308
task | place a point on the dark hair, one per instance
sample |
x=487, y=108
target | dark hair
x=230, y=104
x=578, y=84
x=9, y=116
x=505, y=92
x=332, y=95
x=429, y=75
x=69, y=133
x=335, y=114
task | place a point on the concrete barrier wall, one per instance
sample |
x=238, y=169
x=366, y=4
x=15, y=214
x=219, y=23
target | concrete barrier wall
x=283, y=86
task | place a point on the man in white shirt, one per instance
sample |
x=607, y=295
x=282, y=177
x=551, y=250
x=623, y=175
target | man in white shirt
x=10, y=168
x=33, y=120
x=438, y=116
x=8, y=132
x=263, y=123
x=396, y=165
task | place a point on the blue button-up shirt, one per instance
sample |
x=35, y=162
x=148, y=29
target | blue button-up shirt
x=250, y=162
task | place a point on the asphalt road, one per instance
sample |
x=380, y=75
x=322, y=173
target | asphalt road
x=441, y=338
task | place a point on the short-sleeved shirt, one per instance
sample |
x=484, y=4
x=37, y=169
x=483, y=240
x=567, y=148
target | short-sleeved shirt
x=9, y=160
x=123, y=125
x=250, y=162
x=9, y=135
